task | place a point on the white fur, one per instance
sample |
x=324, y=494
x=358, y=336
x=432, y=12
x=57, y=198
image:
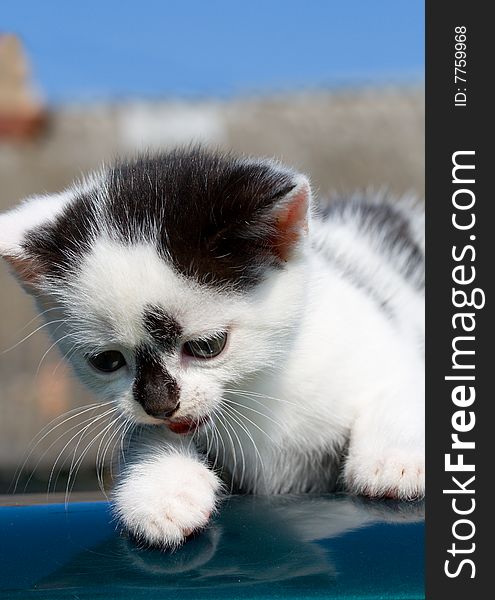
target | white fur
x=166, y=494
x=33, y=212
x=312, y=364
x=40, y=210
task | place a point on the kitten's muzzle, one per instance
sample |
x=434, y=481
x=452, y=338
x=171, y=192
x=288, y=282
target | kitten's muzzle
x=162, y=414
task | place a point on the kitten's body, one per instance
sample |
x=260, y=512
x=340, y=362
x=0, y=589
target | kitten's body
x=321, y=380
x=357, y=292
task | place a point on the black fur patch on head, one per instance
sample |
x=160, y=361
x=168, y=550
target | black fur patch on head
x=209, y=214
x=163, y=328
x=211, y=211
x=154, y=388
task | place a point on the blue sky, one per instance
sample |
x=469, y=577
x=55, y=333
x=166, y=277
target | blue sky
x=111, y=49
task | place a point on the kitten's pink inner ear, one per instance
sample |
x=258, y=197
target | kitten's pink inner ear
x=25, y=269
x=292, y=222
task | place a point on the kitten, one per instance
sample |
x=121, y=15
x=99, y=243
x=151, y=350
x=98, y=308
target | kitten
x=257, y=340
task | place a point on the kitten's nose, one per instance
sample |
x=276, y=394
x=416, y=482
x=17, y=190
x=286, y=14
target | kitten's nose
x=163, y=414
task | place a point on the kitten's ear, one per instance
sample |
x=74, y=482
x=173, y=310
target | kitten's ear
x=289, y=215
x=14, y=228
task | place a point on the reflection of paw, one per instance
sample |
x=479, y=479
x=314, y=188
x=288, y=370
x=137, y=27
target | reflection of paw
x=197, y=552
x=163, y=501
x=393, y=474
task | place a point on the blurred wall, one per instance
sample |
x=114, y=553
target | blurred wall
x=345, y=141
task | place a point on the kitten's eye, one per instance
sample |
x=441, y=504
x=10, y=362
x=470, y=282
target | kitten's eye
x=208, y=348
x=108, y=361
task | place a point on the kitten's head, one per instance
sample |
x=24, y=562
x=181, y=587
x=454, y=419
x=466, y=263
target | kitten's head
x=168, y=278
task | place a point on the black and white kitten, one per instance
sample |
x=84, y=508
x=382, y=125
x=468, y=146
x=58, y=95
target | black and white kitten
x=256, y=339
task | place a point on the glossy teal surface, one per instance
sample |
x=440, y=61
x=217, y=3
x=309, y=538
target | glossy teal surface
x=301, y=547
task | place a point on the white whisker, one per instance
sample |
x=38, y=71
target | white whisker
x=114, y=436
x=78, y=412
x=100, y=452
x=243, y=458
x=128, y=431
x=96, y=420
x=118, y=442
x=259, y=395
x=235, y=411
x=31, y=334
x=79, y=461
x=234, y=453
x=248, y=433
x=49, y=349
x=265, y=416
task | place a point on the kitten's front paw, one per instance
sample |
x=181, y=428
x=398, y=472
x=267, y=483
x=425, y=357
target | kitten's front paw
x=166, y=499
x=391, y=474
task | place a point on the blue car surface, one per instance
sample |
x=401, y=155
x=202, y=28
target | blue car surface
x=332, y=546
